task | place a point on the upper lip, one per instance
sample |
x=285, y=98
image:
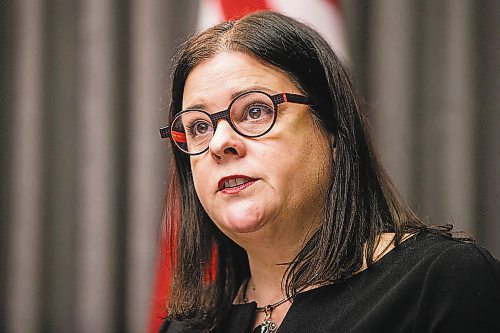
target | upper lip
x=220, y=184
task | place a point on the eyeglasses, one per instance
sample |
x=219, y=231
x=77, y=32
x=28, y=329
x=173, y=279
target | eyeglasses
x=251, y=114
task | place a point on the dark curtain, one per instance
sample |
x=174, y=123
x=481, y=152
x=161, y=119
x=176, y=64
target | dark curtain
x=84, y=88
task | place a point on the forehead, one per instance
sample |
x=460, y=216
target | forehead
x=215, y=81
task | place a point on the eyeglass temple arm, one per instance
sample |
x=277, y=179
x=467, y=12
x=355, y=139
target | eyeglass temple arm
x=165, y=132
x=292, y=98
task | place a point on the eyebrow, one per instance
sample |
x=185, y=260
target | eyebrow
x=201, y=106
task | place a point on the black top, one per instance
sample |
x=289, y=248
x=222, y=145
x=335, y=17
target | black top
x=428, y=283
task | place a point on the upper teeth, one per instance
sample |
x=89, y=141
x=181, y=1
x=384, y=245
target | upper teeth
x=235, y=182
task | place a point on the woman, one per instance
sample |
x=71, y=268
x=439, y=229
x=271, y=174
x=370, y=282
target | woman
x=279, y=214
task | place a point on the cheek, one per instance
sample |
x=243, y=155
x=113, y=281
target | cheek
x=314, y=164
x=300, y=158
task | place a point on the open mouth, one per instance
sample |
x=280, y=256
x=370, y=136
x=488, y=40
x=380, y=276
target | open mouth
x=234, y=182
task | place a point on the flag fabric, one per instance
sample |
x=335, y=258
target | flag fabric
x=323, y=15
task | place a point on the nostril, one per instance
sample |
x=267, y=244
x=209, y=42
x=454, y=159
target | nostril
x=230, y=150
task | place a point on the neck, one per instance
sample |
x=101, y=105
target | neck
x=264, y=287
x=270, y=249
x=269, y=258
x=265, y=284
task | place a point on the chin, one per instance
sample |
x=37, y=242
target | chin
x=239, y=223
x=241, y=216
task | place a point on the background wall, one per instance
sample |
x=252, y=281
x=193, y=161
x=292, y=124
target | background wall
x=84, y=88
x=429, y=72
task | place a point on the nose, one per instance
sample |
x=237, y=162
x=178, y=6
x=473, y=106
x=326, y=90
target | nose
x=226, y=143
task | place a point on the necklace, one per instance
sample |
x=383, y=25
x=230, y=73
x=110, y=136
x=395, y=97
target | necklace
x=268, y=325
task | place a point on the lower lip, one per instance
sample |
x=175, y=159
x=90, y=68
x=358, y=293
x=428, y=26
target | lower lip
x=238, y=188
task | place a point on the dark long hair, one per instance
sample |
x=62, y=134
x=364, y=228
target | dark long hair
x=361, y=202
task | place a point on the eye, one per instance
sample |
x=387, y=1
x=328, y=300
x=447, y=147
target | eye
x=198, y=127
x=201, y=127
x=257, y=111
x=254, y=112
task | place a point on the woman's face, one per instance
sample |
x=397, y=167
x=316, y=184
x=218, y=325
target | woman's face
x=286, y=171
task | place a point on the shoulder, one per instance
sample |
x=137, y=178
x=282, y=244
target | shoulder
x=456, y=259
x=461, y=285
x=454, y=263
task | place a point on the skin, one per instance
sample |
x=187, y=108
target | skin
x=272, y=218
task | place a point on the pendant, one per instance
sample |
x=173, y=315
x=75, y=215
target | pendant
x=266, y=327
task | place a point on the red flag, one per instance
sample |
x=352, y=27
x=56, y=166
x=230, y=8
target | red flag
x=323, y=15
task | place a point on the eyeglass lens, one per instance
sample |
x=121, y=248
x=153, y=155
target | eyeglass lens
x=251, y=115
